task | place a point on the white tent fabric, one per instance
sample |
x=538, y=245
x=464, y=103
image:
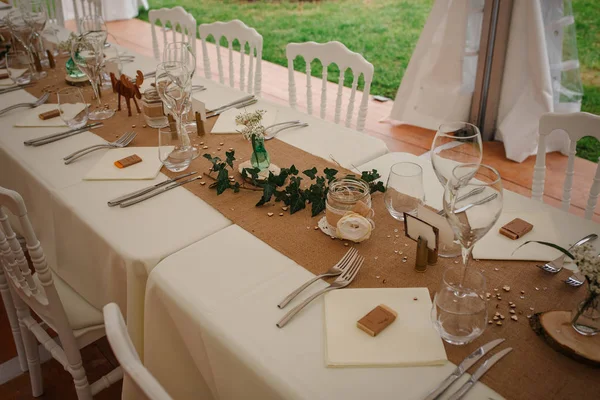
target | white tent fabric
x=112, y=9
x=438, y=84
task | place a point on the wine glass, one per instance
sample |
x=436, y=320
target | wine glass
x=455, y=143
x=87, y=53
x=174, y=86
x=24, y=34
x=171, y=152
x=471, y=217
x=92, y=23
x=182, y=52
x=459, y=309
x=35, y=14
x=404, y=190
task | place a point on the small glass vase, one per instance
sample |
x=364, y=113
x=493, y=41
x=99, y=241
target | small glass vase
x=260, y=158
x=72, y=70
x=585, y=318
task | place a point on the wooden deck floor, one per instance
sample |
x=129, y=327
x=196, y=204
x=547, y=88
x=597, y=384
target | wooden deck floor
x=135, y=35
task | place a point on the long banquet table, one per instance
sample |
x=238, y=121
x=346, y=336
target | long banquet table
x=105, y=254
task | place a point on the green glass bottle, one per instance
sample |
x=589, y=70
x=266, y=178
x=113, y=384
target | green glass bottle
x=260, y=158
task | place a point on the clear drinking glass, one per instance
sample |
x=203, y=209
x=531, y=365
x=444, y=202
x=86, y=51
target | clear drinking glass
x=174, y=155
x=471, y=217
x=174, y=86
x=87, y=53
x=25, y=35
x=454, y=143
x=182, y=52
x=35, y=14
x=70, y=103
x=404, y=191
x=459, y=310
x=18, y=66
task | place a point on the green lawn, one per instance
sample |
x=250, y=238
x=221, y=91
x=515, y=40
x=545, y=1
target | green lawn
x=384, y=31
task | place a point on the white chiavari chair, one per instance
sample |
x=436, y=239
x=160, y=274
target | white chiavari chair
x=179, y=20
x=146, y=387
x=231, y=31
x=76, y=321
x=85, y=8
x=576, y=125
x=332, y=53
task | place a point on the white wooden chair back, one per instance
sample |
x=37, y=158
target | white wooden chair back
x=85, y=8
x=120, y=342
x=179, y=19
x=576, y=125
x=332, y=53
x=231, y=31
x=44, y=302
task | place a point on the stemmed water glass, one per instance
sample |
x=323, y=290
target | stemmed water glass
x=87, y=53
x=24, y=34
x=471, y=217
x=174, y=86
x=455, y=143
x=35, y=14
x=182, y=52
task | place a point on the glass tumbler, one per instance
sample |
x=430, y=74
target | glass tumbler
x=404, y=191
x=459, y=310
x=171, y=152
x=18, y=66
x=72, y=106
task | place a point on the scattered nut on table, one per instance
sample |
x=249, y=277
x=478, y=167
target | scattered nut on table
x=270, y=214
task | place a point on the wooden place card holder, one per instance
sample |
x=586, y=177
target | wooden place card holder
x=427, y=238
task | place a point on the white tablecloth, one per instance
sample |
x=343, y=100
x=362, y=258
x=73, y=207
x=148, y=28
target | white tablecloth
x=210, y=331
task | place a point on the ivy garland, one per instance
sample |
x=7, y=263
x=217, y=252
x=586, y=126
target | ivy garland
x=292, y=194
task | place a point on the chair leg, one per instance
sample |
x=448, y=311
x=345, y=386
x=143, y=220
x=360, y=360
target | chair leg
x=31, y=349
x=11, y=312
x=82, y=386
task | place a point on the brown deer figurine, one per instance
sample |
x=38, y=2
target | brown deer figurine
x=128, y=89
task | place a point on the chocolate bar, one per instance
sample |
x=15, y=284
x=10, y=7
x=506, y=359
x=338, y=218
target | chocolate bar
x=128, y=161
x=49, y=114
x=515, y=229
x=377, y=320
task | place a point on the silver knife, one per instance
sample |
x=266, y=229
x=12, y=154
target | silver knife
x=237, y=106
x=463, y=367
x=58, y=136
x=129, y=196
x=156, y=192
x=232, y=104
x=477, y=203
x=464, y=197
x=485, y=367
x=15, y=88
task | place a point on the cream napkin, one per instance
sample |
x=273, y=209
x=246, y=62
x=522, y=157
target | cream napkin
x=410, y=340
x=226, y=122
x=495, y=246
x=105, y=169
x=31, y=118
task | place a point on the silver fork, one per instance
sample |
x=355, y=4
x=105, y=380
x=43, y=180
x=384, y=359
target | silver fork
x=35, y=104
x=273, y=134
x=341, y=282
x=123, y=141
x=575, y=280
x=556, y=265
x=336, y=270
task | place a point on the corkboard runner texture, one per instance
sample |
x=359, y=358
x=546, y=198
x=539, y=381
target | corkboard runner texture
x=531, y=371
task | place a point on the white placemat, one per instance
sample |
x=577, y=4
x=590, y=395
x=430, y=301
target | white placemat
x=31, y=118
x=226, y=122
x=105, y=169
x=411, y=340
x=495, y=246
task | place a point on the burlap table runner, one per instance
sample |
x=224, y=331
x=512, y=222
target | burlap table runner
x=531, y=371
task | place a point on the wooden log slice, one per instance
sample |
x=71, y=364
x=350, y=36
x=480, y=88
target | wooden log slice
x=555, y=328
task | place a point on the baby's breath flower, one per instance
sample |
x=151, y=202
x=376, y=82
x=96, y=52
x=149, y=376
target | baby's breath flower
x=251, y=122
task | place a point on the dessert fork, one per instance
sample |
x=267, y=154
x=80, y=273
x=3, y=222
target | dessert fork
x=341, y=282
x=556, y=265
x=575, y=280
x=272, y=133
x=35, y=104
x=336, y=270
x=123, y=141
